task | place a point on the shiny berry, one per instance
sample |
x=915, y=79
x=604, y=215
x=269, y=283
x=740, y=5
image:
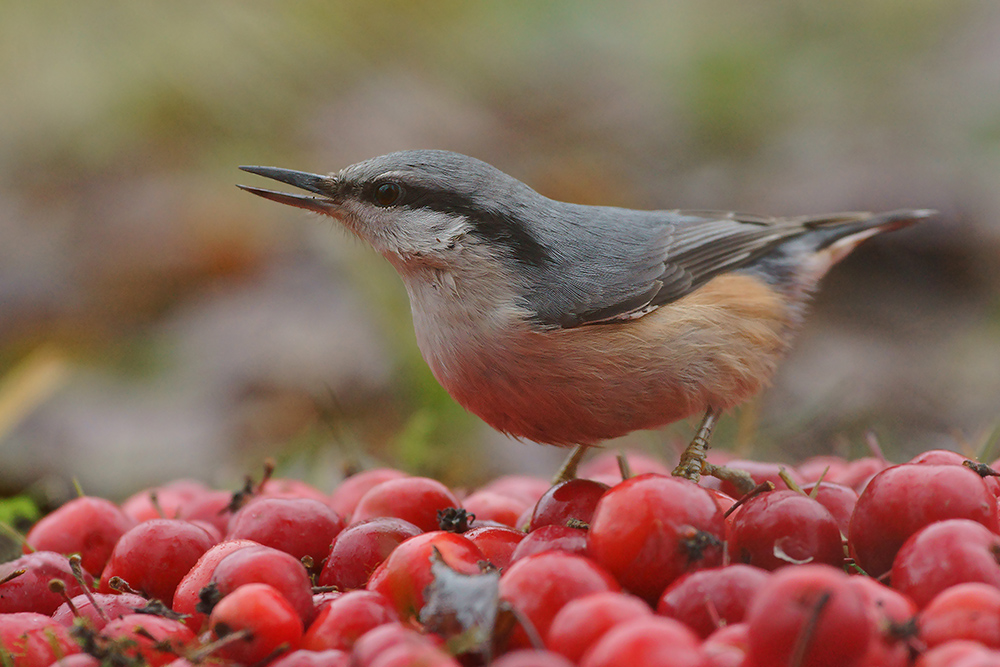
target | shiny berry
x=262, y=617
x=651, y=529
x=837, y=498
x=894, y=613
x=538, y=586
x=169, y=501
x=646, y=642
x=345, y=497
x=728, y=646
x=943, y=554
x=709, y=599
x=28, y=639
x=583, y=621
x=151, y=640
x=489, y=506
x=524, y=488
x=155, y=555
x=266, y=565
x=573, y=501
x=780, y=528
x=965, y=611
x=531, y=657
x=391, y=636
x=187, y=595
x=809, y=616
x=87, y=526
x=496, y=542
x=406, y=573
x=304, y=658
x=30, y=591
x=302, y=527
x=362, y=547
x=551, y=538
x=901, y=500
x=414, y=499
x=98, y=608
x=347, y=618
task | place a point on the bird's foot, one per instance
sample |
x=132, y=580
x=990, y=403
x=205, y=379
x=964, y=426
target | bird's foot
x=692, y=463
x=740, y=479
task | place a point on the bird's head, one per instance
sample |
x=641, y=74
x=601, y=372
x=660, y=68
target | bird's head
x=418, y=207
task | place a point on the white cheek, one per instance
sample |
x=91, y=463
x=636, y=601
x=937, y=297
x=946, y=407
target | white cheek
x=404, y=234
x=427, y=232
x=369, y=225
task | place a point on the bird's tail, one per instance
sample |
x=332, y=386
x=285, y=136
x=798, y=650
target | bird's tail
x=836, y=236
x=839, y=225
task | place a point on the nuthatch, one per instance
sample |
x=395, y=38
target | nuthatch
x=568, y=324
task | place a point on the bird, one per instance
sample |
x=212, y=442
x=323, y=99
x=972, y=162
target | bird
x=568, y=324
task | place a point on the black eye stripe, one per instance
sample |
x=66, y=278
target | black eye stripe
x=497, y=227
x=494, y=226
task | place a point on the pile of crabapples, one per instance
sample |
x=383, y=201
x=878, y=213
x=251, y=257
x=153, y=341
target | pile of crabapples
x=829, y=563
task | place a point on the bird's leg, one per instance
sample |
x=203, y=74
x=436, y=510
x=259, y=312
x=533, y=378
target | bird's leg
x=567, y=470
x=693, y=464
x=692, y=461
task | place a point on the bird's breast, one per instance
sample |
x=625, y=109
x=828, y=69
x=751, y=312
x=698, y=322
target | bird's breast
x=717, y=346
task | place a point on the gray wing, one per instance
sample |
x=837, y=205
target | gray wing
x=655, y=257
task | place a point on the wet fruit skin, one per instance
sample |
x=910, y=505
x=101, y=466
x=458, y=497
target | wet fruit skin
x=583, y=621
x=405, y=575
x=966, y=611
x=646, y=642
x=496, y=542
x=345, y=497
x=944, y=554
x=575, y=499
x=539, y=586
x=264, y=614
x=651, y=529
x=188, y=591
x=87, y=526
x=708, y=599
x=837, y=498
x=155, y=639
x=361, y=548
x=259, y=564
x=155, y=555
x=346, y=619
x=813, y=599
x=780, y=528
x=551, y=538
x=35, y=638
x=902, y=499
x=415, y=499
x=302, y=527
x=30, y=590
x=110, y=608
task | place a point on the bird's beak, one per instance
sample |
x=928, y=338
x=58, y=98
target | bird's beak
x=321, y=185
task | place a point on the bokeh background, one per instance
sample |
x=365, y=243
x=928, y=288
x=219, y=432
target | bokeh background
x=156, y=322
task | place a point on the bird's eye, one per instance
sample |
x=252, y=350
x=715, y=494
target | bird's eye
x=388, y=194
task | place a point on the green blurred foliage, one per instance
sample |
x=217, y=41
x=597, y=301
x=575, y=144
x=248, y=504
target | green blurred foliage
x=17, y=514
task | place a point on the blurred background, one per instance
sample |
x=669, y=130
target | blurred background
x=156, y=322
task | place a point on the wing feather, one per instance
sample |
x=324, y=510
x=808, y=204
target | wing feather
x=664, y=255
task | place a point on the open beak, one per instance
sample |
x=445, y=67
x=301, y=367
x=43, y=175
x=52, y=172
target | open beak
x=320, y=185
